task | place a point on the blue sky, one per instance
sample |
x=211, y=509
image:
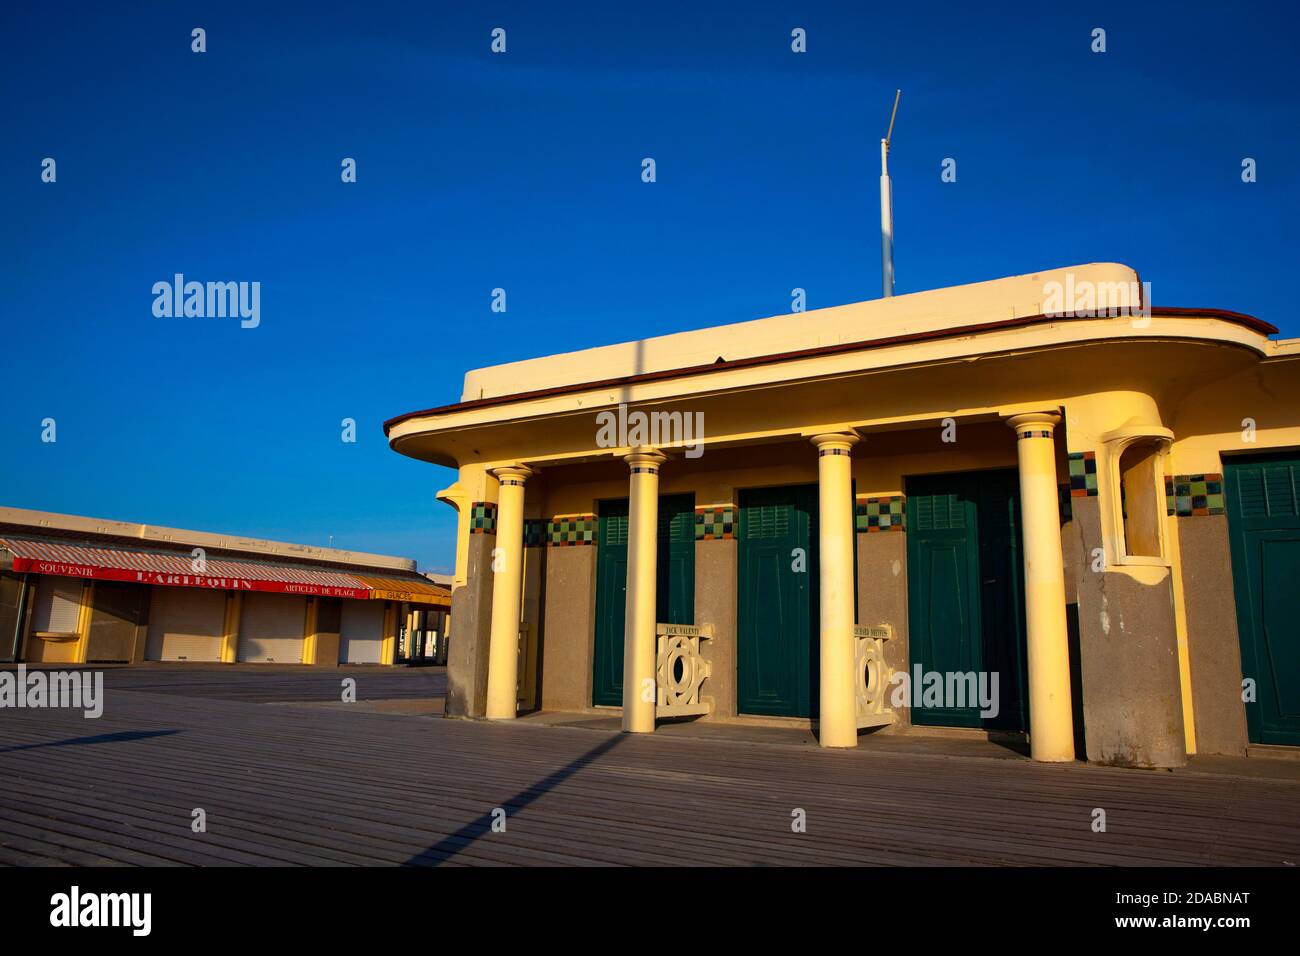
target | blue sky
x=522, y=171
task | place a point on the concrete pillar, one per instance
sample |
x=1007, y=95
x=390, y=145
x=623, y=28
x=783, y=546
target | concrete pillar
x=639, y=626
x=1051, y=727
x=838, y=712
x=507, y=593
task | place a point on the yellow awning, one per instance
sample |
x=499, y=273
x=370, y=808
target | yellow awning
x=412, y=590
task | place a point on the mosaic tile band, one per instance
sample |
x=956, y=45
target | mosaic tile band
x=1194, y=495
x=571, y=531
x=715, y=523
x=872, y=515
x=1083, y=474
x=483, y=517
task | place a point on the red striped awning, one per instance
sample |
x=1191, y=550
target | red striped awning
x=177, y=570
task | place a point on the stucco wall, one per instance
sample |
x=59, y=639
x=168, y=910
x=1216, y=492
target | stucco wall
x=882, y=599
x=1212, y=637
x=715, y=603
x=471, y=614
x=1128, y=649
x=569, y=629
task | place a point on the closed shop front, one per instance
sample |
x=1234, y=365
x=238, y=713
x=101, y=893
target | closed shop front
x=56, y=614
x=362, y=636
x=186, y=624
x=58, y=605
x=12, y=588
x=117, y=611
x=272, y=628
x=76, y=591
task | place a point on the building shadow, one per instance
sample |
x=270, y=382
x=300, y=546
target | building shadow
x=1076, y=681
x=121, y=737
x=454, y=843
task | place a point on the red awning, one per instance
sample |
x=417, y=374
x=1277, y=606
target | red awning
x=177, y=570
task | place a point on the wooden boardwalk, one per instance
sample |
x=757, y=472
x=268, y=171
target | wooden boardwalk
x=326, y=785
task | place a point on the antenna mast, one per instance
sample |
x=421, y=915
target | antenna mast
x=887, y=207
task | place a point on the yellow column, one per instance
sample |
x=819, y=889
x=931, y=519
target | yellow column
x=230, y=629
x=838, y=721
x=309, y=631
x=83, y=622
x=388, y=649
x=507, y=593
x=639, y=622
x=1051, y=723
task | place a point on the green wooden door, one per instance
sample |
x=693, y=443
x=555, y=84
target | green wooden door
x=965, y=591
x=1002, y=597
x=776, y=669
x=675, y=584
x=611, y=608
x=1263, y=503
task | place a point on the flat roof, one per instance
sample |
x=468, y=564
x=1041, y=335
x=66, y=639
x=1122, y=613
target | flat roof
x=64, y=524
x=999, y=305
x=961, y=306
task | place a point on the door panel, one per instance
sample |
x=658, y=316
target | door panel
x=1279, y=574
x=272, y=628
x=1263, y=504
x=611, y=603
x=943, y=574
x=186, y=624
x=361, y=632
x=117, y=612
x=965, y=591
x=674, y=584
x=675, y=570
x=1002, y=597
x=777, y=609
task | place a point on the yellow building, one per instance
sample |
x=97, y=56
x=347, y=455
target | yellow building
x=77, y=590
x=1034, y=506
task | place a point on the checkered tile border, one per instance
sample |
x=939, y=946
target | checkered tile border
x=483, y=517
x=568, y=531
x=879, y=514
x=1187, y=495
x=1083, y=474
x=1063, y=499
x=715, y=522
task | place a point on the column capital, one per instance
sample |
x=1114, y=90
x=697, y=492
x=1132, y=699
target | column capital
x=834, y=443
x=520, y=473
x=645, y=457
x=1034, y=424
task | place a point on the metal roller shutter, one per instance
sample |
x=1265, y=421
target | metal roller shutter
x=186, y=624
x=271, y=631
x=58, y=605
x=361, y=635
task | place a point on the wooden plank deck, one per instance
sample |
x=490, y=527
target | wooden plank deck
x=325, y=785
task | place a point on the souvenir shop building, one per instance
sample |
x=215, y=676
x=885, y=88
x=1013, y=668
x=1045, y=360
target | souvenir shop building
x=85, y=590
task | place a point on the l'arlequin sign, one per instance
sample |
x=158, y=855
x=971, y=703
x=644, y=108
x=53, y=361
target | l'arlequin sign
x=171, y=579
